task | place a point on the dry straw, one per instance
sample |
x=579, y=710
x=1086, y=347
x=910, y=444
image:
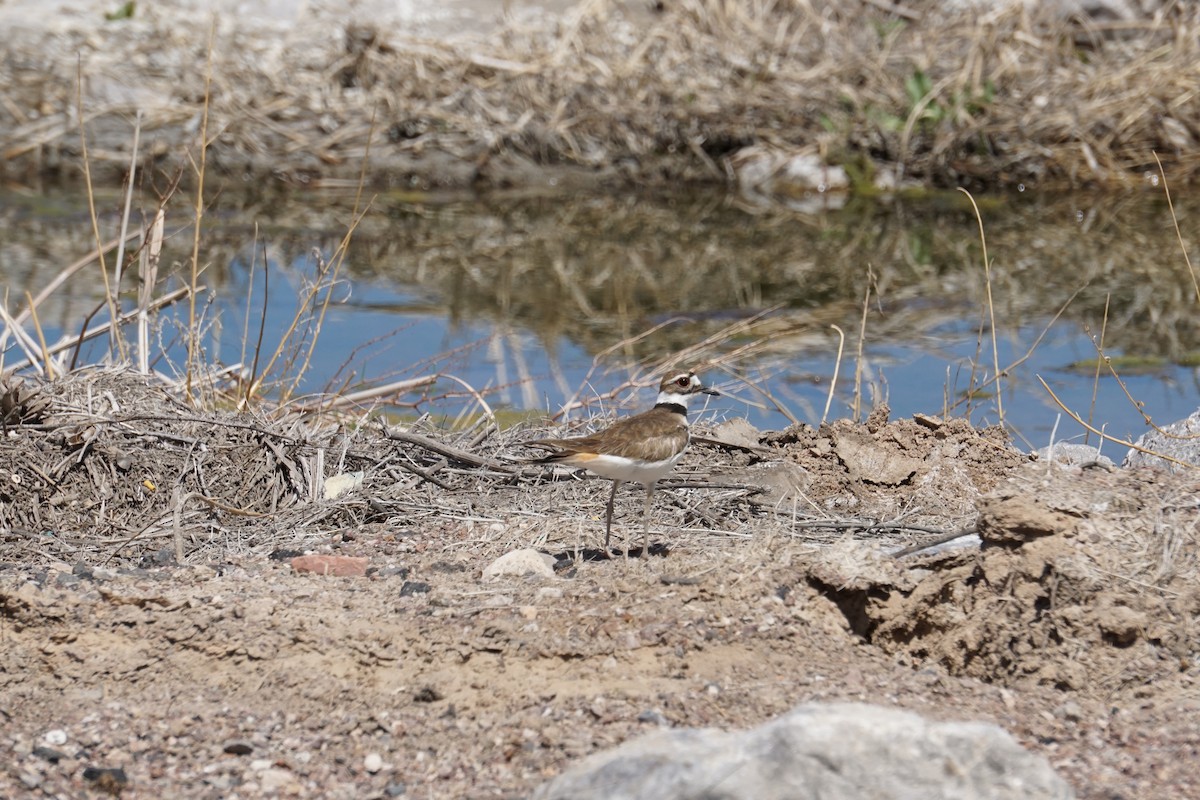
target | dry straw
x=953, y=96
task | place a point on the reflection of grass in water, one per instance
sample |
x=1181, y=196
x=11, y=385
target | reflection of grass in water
x=1135, y=364
x=596, y=270
x=1130, y=365
x=599, y=270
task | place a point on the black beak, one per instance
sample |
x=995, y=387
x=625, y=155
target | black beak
x=710, y=390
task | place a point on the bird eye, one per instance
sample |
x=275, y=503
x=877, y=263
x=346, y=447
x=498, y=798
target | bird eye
x=683, y=380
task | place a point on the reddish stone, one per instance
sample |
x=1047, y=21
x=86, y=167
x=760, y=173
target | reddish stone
x=341, y=566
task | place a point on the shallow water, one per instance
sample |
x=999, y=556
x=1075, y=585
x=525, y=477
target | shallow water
x=534, y=300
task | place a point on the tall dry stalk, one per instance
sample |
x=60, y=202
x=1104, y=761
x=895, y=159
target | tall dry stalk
x=1178, y=235
x=120, y=265
x=837, y=366
x=862, y=340
x=987, y=272
x=41, y=334
x=1099, y=362
x=252, y=378
x=192, y=334
x=148, y=279
x=114, y=338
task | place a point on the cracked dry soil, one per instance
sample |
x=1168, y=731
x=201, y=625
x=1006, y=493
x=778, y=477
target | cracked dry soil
x=228, y=674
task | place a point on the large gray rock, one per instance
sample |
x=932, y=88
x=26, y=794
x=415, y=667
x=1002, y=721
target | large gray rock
x=830, y=752
x=1179, y=440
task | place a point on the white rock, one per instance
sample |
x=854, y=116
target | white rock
x=55, y=738
x=373, y=763
x=520, y=562
x=338, y=485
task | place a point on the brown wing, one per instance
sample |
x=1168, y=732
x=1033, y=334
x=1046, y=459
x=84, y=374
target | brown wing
x=652, y=436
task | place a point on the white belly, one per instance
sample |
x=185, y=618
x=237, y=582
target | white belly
x=619, y=468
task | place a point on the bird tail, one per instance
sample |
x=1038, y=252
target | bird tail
x=555, y=455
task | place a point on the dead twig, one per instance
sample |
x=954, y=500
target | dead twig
x=453, y=453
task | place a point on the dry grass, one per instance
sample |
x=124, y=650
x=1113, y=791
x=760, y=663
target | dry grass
x=105, y=464
x=949, y=97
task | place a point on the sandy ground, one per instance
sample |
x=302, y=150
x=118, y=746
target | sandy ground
x=227, y=673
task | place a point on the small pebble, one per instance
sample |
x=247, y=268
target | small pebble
x=49, y=754
x=107, y=779
x=55, y=738
x=414, y=587
x=275, y=779
x=373, y=763
x=1070, y=711
x=653, y=715
x=239, y=748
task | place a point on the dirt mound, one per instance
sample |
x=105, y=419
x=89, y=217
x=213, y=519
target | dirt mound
x=1086, y=580
x=912, y=473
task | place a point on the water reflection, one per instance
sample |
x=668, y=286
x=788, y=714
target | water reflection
x=519, y=294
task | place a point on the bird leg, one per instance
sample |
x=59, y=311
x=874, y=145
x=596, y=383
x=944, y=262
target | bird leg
x=608, y=512
x=646, y=520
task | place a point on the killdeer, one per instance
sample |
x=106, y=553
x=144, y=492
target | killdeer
x=642, y=448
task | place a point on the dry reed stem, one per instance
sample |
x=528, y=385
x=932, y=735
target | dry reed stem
x=251, y=381
x=1139, y=407
x=122, y=238
x=114, y=338
x=50, y=372
x=991, y=309
x=860, y=347
x=27, y=345
x=288, y=347
x=73, y=341
x=837, y=365
x=1099, y=362
x=338, y=259
x=760, y=387
x=341, y=400
x=1175, y=222
x=148, y=258
x=192, y=347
